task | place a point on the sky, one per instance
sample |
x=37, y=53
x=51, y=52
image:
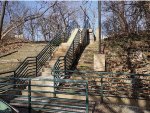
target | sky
x=91, y=6
x=94, y=6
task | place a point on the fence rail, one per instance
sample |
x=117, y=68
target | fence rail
x=108, y=84
x=40, y=97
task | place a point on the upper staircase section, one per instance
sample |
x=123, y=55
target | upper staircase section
x=72, y=36
x=72, y=56
x=61, y=51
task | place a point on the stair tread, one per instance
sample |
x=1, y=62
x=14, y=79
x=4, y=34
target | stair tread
x=47, y=71
x=19, y=104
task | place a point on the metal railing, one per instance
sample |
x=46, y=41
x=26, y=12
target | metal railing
x=70, y=60
x=47, y=52
x=31, y=66
x=40, y=97
x=18, y=81
x=76, y=48
x=109, y=84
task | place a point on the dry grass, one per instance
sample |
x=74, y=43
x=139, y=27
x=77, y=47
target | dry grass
x=10, y=62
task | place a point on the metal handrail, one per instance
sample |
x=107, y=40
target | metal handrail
x=31, y=99
x=79, y=43
x=34, y=64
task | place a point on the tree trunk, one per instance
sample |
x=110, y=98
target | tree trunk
x=2, y=17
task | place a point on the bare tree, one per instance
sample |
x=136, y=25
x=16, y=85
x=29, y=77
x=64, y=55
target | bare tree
x=58, y=18
x=126, y=16
x=44, y=18
x=2, y=17
x=21, y=20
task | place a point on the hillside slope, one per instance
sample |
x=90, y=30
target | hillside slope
x=128, y=54
x=13, y=52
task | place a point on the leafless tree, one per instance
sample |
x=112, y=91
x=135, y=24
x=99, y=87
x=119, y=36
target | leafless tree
x=126, y=16
x=2, y=17
x=17, y=21
x=44, y=18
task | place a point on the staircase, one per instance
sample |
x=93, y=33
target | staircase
x=39, y=92
x=46, y=78
x=61, y=51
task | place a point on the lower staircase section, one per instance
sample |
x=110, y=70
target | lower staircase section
x=39, y=96
x=46, y=93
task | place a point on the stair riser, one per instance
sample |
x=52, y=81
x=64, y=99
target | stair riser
x=63, y=48
x=46, y=74
x=49, y=88
x=46, y=70
x=57, y=54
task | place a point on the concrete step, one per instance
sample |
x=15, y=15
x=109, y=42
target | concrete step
x=46, y=73
x=41, y=80
x=59, y=53
x=52, y=62
x=46, y=69
x=65, y=44
x=59, y=103
x=64, y=47
x=48, y=64
x=23, y=101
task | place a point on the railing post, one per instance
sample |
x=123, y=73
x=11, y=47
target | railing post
x=29, y=96
x=66, y=35
x=101, y=88
x=87, y=99
x=36, y=66
x=54, y=84
x=73, y=50
x=65, y=64
x=51, y=50
x=14, y=81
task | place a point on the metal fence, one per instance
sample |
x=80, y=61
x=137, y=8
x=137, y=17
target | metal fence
x=20, y=89
x=108, y=84
x=39, y=95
